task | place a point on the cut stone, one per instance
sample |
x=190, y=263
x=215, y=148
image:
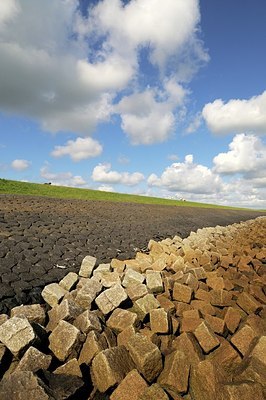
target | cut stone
x=190, y=324
x=244, y=391
x=88, y=292
x=111, y=298
x=243, y=338
x=109, y=367
x=146, y=356
x=154, y=281
x=69, y=281
x=136, y=291
x=203, y=381
x=67, y=310
x=175, y=373
x=87, y=321
x=69, y=368
x=16, y=334
x=216, y=324
x=182, y=292
x=33, y=313
x=93, y=345
x=221, y=298
x=53, y=293
x=132, y=277
x=124, y=336
x=153, y=392
x=165, y=303
x=33, y=360
x=120, y=319
x=159, y=321
x=206, y=338
x=131, y=387
x=188, y=342
x=232, y=319
x=87, y=265
x=248, y=303
x=226, y=357
x=64, y=340
x=108, y=279
x=144, y=305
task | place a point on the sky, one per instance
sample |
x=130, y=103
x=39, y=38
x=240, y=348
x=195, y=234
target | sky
x=150, y=97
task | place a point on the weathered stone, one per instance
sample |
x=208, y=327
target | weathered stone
x=120, y=319
x=190, y=324
x=188, y=342
x=99, y=272
x=108, y=279
x=153, y=392
x=93, y=345
x=136, y=291
x=248, y=303
x=69, y=368
x=65, y=340
x=215, y=282
x=190, y=280
x=24, y=385
x=175, y=373
x=202, y=295
x=150, y=335
x=16, y=334
x=203, y=382
x=182, y=292
x=109, y=367
x=118, y=265
x=87, y=321
x=3, y=318
x=132, y=277
x=232, y=319
x=181, y=307
x=244, y=391
x=124, y=336
x=206, y=338
x=221, y=298
x=87, y=265
x=146, y=356
x=165, y=303
x=53, y=293
x=33, y=360
x=33, y=313
x=62, y=386
x=225, y=357
x=203, y=306
x=69, y=281
x=160, y=263
x=67, y=310
x=111, y=298
x=159, y=321
x=88, y=292
x=243, y=339
x=216, y=324
x=144, y=305
x=131, y=387
x=154, y=281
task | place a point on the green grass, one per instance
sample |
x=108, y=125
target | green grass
x=35, y=189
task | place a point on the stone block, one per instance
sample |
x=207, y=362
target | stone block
x=33, y=313
x=216, y=324
x=124, y=336
x=232, y=319
x=154, y=281
x=3, y=318
x=93, y=345
x=204, y=295
x=160, y=263
x=136, y=291
x=111, y=298
x=69, y=368
x=159, y=321
x=131, y=387
x=203, y=382
x=88, y=292
x=144, y=305
x=190, y=280
x=221, y=298
x=118, y=265
x=206, y=338
x=215, y=282
x=248, y=303
x=146, y=356
x=243, y=339
x=69, y=281
x=87, y=266
x=189, y=324
x=110, y=366
x=182, y=292
x=225, y=358
x=88, y=321
x=65, y=341
x=67, y=310
x=244, y=391
x=165, y=303
x=175, y=374
x=132, y=277
x=33, y=360
x=199, y=273
x=103, y=268
x=53, y=293
x=153, y=392
x=16, y=334
x=108, y=278
x=120, y=319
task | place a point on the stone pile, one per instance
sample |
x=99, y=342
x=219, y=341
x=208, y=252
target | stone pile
x=186, y=320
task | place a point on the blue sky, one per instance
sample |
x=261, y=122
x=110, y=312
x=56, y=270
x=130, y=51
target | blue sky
x=164, y=98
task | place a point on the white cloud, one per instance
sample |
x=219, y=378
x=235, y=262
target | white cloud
x=237, y=115
x=79, y=149
x=61, y=178
x=106, y=188
x=20, y=165
x=103, y=173
x=187, y=177
x=173, y=157
x=246, y=155
x=194, y=124
x=66, y=71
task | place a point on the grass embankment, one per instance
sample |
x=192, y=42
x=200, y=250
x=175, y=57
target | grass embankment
x=36, y=189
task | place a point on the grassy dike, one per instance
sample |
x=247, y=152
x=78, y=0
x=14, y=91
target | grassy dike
x=63, y=192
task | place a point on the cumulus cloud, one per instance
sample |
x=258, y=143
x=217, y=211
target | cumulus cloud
x=79, y=149
x=246, y=155
x=61, y=178
x=66, y=71
x=237, y=115
x=194, y=124
x=187, y=177
x=106, y=188
x=20, y=165
x=103, y=173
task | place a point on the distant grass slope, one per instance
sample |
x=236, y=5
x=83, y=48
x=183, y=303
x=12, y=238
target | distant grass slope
x=35, y=189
